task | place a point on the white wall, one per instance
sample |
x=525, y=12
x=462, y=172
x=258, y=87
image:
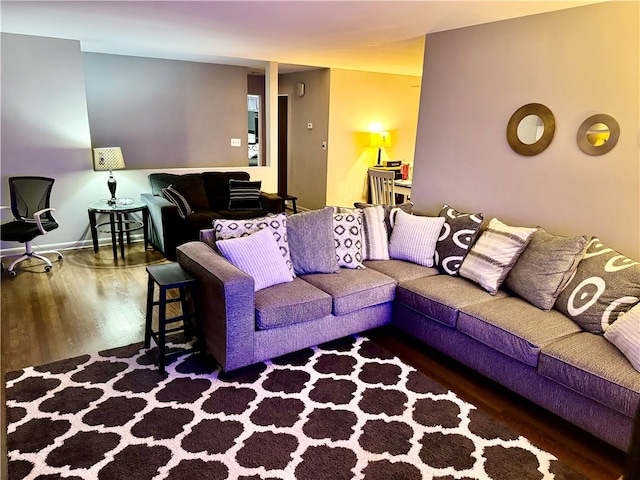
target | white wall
x=45, y=131
x=577, y=62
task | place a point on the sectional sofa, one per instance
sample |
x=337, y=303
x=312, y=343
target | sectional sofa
x=533, y=325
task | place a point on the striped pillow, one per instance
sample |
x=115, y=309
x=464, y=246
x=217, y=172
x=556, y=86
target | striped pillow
x=175, y=197
x=624, y=333
x=414, y=238
x=375, y=241
x=494, y=254
x=257, y=255
x=244, y=195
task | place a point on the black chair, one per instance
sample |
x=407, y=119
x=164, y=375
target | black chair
x=30, y=205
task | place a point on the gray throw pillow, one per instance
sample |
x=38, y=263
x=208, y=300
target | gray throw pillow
x=311, y=243
x=458, y=234
x=544, y=267
x=606, y=285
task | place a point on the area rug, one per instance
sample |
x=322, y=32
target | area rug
x=342, y=410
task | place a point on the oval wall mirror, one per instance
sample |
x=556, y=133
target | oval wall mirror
x=531, y=129
x=598, y=134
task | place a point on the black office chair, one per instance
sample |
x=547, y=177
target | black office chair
x=30, y=204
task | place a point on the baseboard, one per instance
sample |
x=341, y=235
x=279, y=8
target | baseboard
x=86, y=243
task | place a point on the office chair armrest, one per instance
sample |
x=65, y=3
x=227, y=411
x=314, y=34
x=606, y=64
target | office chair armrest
x=36, y=217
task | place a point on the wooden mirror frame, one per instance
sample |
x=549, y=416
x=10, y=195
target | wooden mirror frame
x=548, y=121
x=614, y=134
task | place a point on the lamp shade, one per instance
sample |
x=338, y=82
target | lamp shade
x=380, y=139
x=108, y=158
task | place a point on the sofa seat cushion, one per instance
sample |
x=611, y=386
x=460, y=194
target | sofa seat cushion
x=400, y=270
x=237, y=214
x=440, y=297
x=353, y=289
x=514, y=327
x=590, y=365
x=289, y=303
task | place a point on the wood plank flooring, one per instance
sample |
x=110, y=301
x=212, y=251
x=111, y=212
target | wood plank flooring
x=89, y=302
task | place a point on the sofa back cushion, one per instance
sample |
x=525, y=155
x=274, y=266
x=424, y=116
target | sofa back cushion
x=216, y=186
x=189, y=185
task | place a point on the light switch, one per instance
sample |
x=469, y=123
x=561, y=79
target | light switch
x=236, y=142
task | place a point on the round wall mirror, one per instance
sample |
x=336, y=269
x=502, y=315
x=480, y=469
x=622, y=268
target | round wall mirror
x=598, y=134
x=531, y=129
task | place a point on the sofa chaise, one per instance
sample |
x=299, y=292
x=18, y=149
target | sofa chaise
x=539, y=353
x=194, y=201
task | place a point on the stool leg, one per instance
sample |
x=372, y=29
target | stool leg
x=149, y=317
x=198, y=318
x=185, y=309
x=162, y=322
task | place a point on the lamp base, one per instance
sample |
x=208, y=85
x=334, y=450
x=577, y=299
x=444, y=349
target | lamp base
x=111, y=183
x=379, y=164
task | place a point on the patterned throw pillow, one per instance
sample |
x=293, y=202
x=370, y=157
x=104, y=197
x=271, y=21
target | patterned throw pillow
x=624, y=333
x=406, y=207
x=244, y=195
x=605, y=286
x=267, y=267
x=545, y=267
x=277, y=223
x=494, y=254
x=458, y=234
x=375, y=240
x=347, y=234
x=414, y=237
x=175, y=197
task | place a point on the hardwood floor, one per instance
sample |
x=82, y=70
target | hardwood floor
x=89, y=302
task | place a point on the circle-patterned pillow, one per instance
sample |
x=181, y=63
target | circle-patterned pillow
x=605, y=286
x=459, y=232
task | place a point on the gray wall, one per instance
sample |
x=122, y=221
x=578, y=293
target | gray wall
x=45, y=131
x=307, y=161
x=167, y=113
x=578, y=62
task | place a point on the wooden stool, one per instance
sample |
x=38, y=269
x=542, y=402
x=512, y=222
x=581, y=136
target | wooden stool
x=293, y=199
x=171, y=276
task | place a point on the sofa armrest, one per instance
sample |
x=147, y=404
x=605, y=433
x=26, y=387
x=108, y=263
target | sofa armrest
x=271, y=202
x=164, y=225
x=227, y=304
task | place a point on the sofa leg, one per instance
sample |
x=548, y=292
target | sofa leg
x=632, y=468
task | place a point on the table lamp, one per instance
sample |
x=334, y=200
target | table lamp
x=109, y=158
x=380, y=139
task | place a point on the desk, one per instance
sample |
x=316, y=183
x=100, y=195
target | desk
x=118, y=223
x=403, y=187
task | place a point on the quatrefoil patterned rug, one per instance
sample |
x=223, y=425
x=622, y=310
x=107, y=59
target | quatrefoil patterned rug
x=343, y=410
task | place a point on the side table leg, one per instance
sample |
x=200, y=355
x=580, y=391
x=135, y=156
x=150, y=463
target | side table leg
x=121, y=235
x=94, y=230
x=145, y=227
x=114, y=243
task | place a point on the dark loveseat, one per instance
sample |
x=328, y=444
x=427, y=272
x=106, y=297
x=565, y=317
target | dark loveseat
x=207, y=194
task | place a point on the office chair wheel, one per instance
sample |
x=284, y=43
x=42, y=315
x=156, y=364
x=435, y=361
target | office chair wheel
x=47, y=269
x=12, y=273
x=60, y=257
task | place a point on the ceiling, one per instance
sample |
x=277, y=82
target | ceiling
x=378, y=36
